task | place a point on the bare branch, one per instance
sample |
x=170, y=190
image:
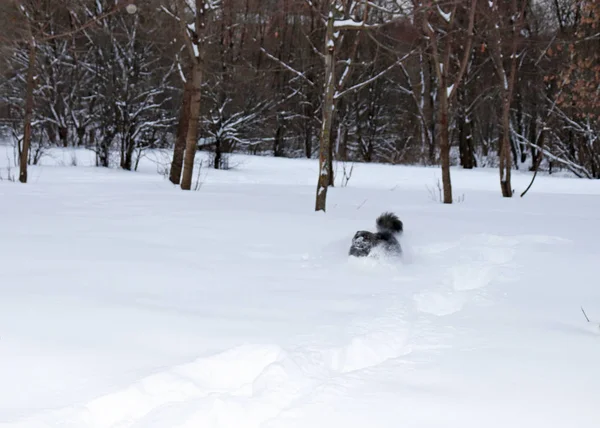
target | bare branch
x=286, y=66
x=371, y=80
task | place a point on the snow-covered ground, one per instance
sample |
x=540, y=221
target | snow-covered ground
x=125, y=302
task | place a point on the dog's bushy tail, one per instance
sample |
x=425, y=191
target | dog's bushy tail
x=389, y=222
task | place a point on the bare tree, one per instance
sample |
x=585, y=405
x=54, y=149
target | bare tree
x=193, y=18
x=515, y=18
x=443, y=31
x=340, y=17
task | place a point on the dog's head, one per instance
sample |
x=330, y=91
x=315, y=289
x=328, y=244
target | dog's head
x=362, y=243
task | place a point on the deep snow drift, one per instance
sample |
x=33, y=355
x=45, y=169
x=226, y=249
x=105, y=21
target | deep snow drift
x=125, y=302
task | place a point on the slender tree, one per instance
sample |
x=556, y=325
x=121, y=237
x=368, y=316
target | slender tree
x=341, y=16
x=515, y=20
x=194, y=35
x=450, y=50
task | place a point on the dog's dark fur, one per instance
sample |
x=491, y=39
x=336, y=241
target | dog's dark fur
x=388, y=227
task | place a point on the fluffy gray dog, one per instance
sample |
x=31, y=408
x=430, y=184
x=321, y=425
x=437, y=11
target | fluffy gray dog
x=388, y=227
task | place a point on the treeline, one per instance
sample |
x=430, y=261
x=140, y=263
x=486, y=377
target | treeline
x=507, y=83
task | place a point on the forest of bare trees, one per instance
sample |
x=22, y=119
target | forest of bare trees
x=510, y=84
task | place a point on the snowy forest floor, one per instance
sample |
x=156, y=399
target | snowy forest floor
x=125, y=302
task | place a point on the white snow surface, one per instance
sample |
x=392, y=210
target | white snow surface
x=125, y=302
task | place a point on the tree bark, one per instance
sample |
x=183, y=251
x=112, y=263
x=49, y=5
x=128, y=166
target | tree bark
x=507, y=85
x=218, y=159
x=445, y=145
x=80, y=136
x=328, y=105
x=24, y=157
x=533, y=136
x=505, y=150
x=127, y=162
x=192, y=133
x=465, y=137
x=465, y=131
x=278, y=140
x=430, y=111
x=535, y=164
x=307, y=140
x=332, y=138
x=520, y=128
x=505, y=153
x=182, y=130
x=63, y=134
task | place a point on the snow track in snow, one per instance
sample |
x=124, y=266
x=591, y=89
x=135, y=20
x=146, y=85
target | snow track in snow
x=253, y=385
x=470, y=266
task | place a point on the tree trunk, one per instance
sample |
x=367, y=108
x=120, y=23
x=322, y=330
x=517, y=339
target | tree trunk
x=332, y=138
x=24, y=157
x=465, y=136
x=465, y=132
x=63, y=134
x=535, y=163
x=192, y=134
x=127, y=162
x=343, y=146
x=103, y=145
x=182, y=130
x=505, y=152
x=308, y=140
x=441, y=64
x=80, y=136
x=515, y=150
x=278, y=140
x=520, y=128
x=103, y=156
x=92, y=137
x=533, y=136
x=430, y=103
x=505, y=143
x=507, y=85
x=445, y=144
x=218, y=159
x=325, y=137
